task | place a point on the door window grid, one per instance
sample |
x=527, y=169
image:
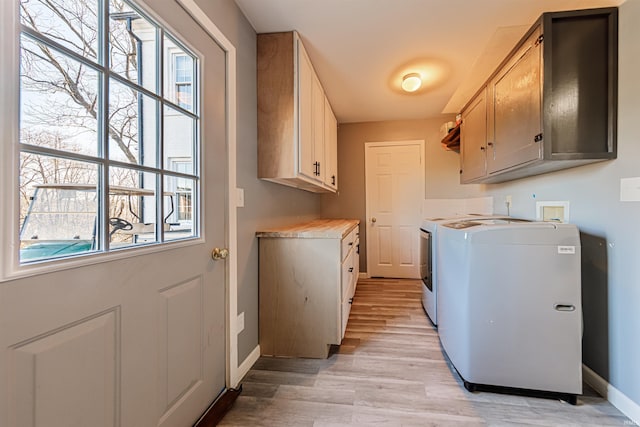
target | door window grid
x=183, y=190
x=183, y=67
x=129, y=209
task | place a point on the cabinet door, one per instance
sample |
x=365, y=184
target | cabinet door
x=318, y=130
x=330, y=146
x=306, y=83
x=473, y=139
x=516, y=104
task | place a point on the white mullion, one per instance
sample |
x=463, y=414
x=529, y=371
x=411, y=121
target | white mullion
x=160, y=134
x=9, y=132
x=103, y=125
x=196, y=202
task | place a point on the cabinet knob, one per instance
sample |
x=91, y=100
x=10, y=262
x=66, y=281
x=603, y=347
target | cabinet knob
x=350, y=269
x=373, y=219
x=482, y=148
x=350, y=300
x=490, y=144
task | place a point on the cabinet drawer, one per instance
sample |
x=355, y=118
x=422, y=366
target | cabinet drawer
x=349, y=241
x=346, y=309
x=349, y=275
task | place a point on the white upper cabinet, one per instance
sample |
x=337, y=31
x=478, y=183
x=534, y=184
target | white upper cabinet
x=296, y=145
x=331, y=147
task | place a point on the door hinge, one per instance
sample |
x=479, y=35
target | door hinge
x=539, y=40
x=537, y=138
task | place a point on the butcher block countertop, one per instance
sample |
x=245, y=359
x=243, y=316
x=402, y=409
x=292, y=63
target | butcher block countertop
x=316, y=229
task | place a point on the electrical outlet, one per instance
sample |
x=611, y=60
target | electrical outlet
x=630, y=189
x=240, y=325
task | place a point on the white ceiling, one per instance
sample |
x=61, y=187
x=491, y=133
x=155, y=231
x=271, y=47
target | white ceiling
x=362, y=48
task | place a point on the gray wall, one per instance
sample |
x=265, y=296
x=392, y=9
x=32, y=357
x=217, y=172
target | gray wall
x=266, y=204
x=442, y=177
x=611, y=239
x=610, y=228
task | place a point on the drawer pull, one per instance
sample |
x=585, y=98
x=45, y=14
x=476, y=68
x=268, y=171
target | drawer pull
x=350, y=243
x=350, y=269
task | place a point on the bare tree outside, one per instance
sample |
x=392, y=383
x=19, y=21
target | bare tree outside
x=67, y=129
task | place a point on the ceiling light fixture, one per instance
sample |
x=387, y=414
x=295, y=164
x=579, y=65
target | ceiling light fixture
x=411, y=82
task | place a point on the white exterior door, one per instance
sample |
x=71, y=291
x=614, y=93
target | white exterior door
x=394, y=194
x=133, y=338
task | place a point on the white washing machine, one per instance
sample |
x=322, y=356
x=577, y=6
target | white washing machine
x=428, y=256
x=509, y=304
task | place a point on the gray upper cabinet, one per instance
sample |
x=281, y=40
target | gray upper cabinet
x=515, y=95
x=550, y=105
x=473, y=138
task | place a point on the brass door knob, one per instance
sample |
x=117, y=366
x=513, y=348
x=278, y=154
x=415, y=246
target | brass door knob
x=373, y=219
x=218, y=253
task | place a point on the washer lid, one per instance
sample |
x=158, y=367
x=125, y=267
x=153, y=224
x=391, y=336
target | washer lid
x=459, y=225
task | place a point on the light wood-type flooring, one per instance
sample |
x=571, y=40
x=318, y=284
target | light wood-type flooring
x=390, y=371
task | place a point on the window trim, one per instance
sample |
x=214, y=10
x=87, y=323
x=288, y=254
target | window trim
x=10, y=266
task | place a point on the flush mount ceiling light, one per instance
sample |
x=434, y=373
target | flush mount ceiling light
x=411, y=82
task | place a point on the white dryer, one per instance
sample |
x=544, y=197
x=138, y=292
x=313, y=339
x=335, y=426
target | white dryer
x=428, y=259
x=509, y=304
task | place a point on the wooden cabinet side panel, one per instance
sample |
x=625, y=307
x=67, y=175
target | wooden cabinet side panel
x=580, y=86
x=299, y=300
x=276, y=105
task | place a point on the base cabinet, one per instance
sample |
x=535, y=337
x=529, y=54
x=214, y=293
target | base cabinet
x=551, y=105
x=306, y=290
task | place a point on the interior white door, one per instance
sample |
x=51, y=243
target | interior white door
x=138, y=340
x=394, y=193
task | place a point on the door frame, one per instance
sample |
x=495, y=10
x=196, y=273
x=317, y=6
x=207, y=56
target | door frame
x=8, y=177
x=233, y=376
x=367, y=147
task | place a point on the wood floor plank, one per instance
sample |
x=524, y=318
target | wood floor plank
x=390, y=371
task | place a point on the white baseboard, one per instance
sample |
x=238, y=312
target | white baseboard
x=617, y=398
x=363, y=275
x=246, y=365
